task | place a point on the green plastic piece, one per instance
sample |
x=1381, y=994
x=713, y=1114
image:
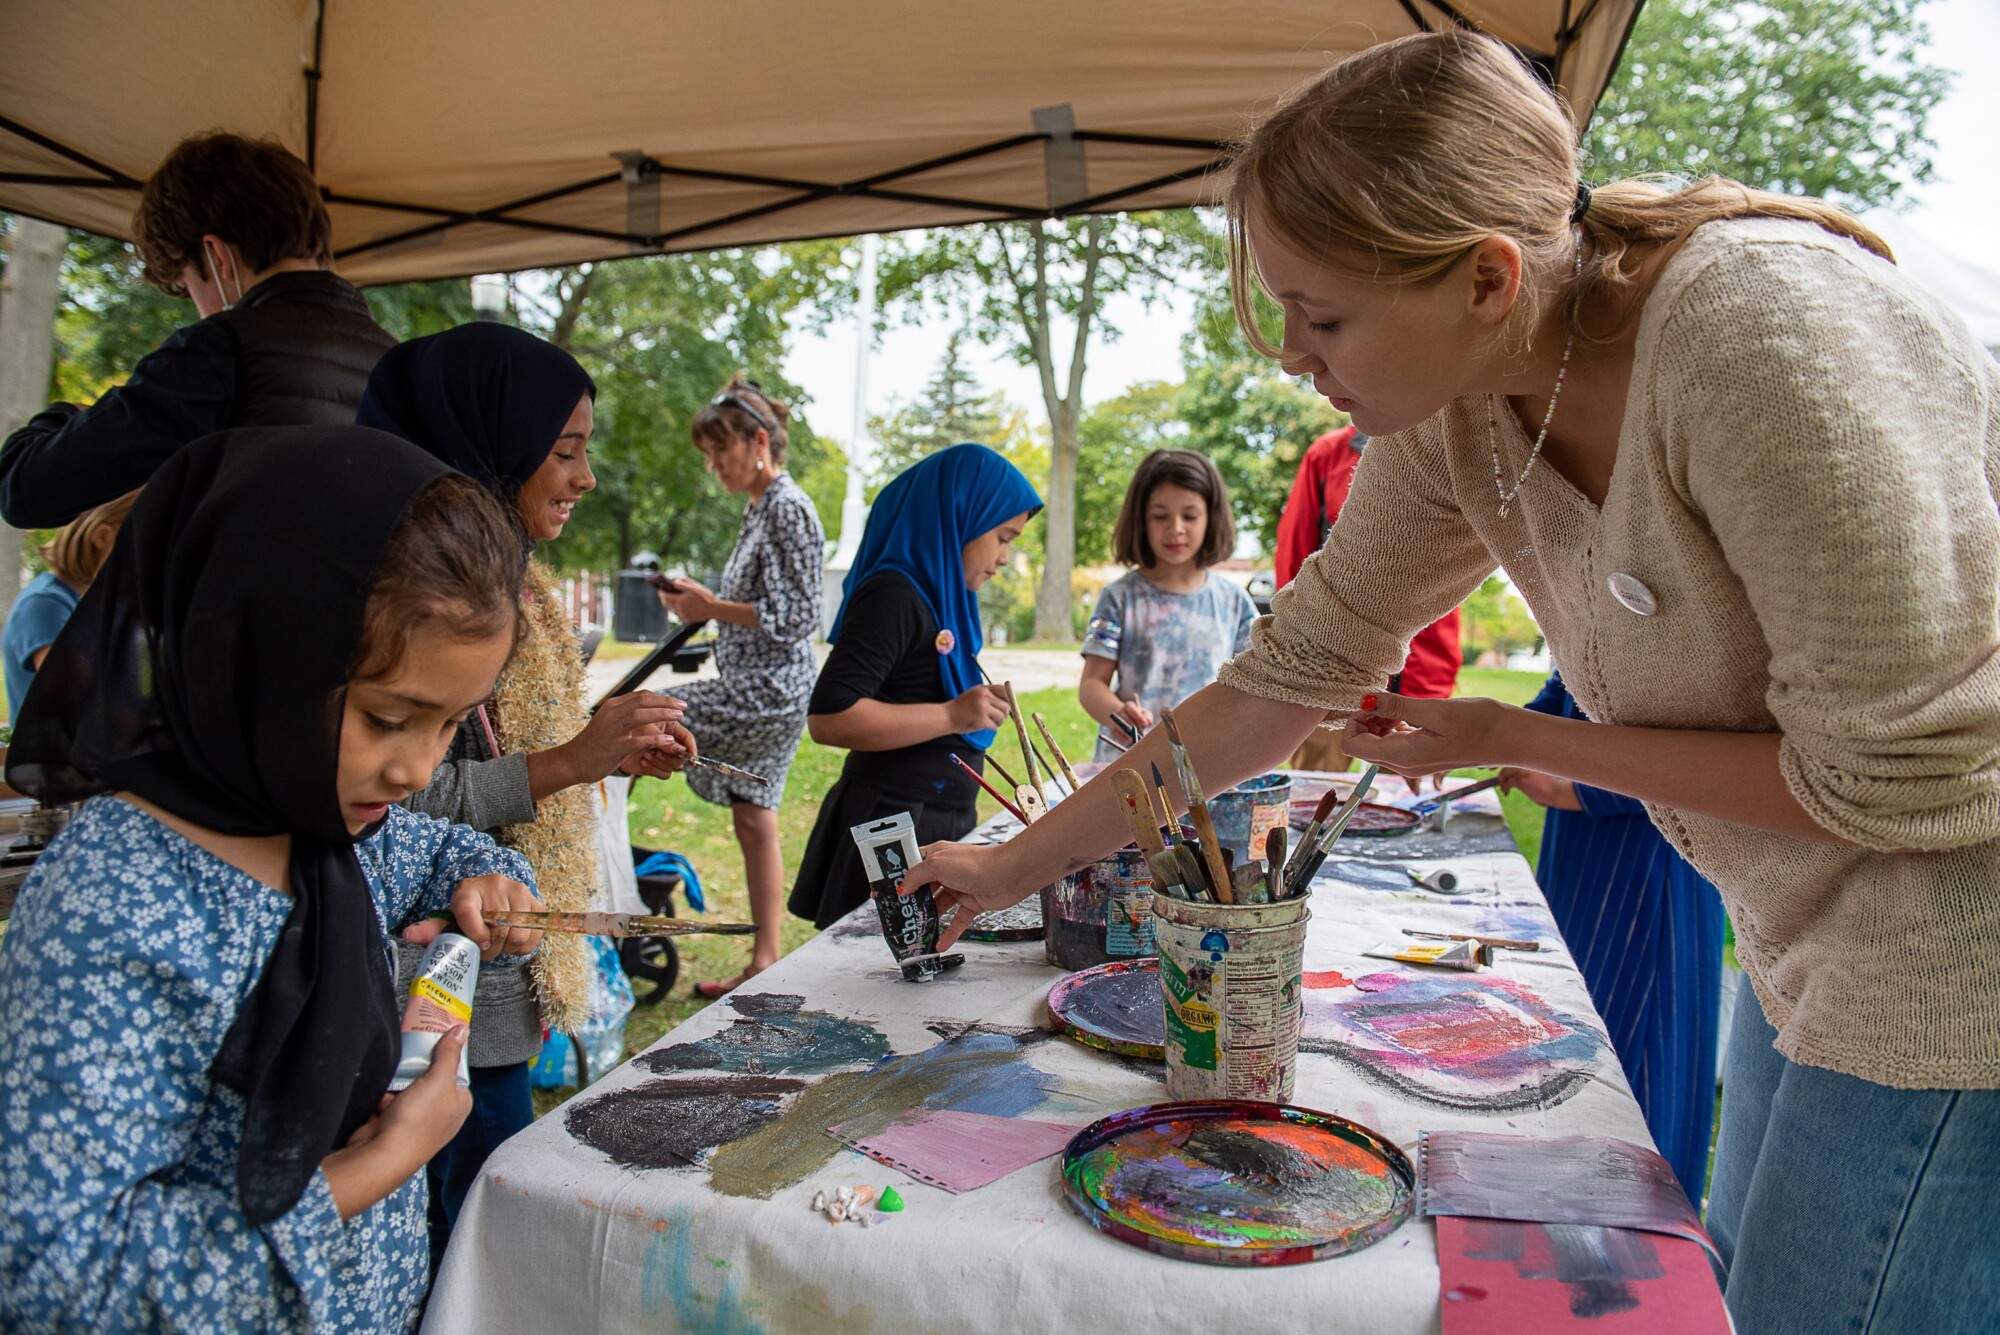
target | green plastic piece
x=891, y=1202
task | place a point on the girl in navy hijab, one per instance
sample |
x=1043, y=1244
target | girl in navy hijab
x=901, y=689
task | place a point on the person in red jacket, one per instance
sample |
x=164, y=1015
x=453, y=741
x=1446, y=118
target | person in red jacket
x=1318, y=492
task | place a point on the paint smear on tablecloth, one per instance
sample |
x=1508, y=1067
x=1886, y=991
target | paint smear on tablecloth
x=982, y=1073
x=1326, y=978
x=774, y=1034
x=1481, y=1044
x=670, y=1123
x=667, y=1284
x=1501, y=1277
x=958, y=1151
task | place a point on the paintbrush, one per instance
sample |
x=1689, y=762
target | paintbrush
x=1327, y=837
x=615, y=924
x=1274, y=862
x=1204, y=824
x=1497, y=942
x=1005, y=777
x=1027, y=795
x=980, y=779
x=1328, y=800
x=1167, y=874
x=1125, y=726
x=1021, y=731
x=1168, y=824
x=1192, y=874
x=1112, y=742
x=1436, y=800
x=1069, y=775
x=721, y=768
x=1137, y=808
x=1050, y=771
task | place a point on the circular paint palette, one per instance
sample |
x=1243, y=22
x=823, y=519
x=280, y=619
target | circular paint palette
x=1373, y=820
x=1238, y=1183
x=1020, y=922
x=1115, y=1007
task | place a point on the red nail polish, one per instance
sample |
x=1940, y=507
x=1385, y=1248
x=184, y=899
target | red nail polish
x=1371, y=701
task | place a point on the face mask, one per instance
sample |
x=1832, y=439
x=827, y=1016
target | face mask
x=214, y=257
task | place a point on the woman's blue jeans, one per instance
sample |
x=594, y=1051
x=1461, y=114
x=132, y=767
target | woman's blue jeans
x=1843, y=1207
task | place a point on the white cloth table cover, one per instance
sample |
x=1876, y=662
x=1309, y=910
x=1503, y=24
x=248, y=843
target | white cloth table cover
x=556, y=1236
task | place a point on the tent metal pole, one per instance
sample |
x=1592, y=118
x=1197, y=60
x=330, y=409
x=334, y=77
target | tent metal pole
x=113, y=175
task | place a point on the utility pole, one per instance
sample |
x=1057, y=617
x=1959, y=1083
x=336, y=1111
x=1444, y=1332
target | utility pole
x=28, y=295
x=854, y=508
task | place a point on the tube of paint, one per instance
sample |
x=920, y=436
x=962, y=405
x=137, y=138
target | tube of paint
x=909, y=922
x=440, y=997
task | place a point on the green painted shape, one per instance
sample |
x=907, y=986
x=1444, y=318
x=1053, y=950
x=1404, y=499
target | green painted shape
x=891, y=1202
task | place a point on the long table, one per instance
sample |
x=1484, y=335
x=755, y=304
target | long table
x=613, y=1214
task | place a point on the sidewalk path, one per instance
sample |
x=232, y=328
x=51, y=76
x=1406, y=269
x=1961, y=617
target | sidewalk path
x=1028, y=669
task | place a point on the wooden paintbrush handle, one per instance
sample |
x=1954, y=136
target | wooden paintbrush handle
x=1211, y=852
x=1137, y=805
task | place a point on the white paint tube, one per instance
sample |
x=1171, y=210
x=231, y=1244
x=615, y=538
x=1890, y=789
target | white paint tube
x=440, y=998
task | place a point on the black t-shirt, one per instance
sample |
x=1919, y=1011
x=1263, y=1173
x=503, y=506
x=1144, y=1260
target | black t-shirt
x=888, y=651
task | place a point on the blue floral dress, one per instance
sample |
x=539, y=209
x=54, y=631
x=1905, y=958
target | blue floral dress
x=130, y=951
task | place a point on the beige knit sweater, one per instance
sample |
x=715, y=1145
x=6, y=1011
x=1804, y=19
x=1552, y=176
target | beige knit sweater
x=1806, y=482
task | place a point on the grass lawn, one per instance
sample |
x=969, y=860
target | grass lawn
x=670, y=816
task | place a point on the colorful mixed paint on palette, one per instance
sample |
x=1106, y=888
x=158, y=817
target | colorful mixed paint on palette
x=1502, y=1277
x=1115, y=1007
x=1484, y=1044
x=1237, y=1183
x=731, y=1102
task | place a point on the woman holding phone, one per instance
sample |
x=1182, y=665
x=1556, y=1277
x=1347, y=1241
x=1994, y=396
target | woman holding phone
x=753, y=714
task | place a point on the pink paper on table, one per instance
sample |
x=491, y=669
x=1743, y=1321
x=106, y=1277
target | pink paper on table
x=1501, y=1277
x=958, y=1150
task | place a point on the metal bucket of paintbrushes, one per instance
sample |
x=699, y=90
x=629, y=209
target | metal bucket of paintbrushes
x=1245, y=815
x=1100, y=914
x=1230, y=983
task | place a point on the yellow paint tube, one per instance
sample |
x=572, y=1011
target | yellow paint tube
x=440, y=998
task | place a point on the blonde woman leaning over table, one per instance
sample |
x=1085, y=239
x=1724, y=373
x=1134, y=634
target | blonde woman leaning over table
x=1744, y=472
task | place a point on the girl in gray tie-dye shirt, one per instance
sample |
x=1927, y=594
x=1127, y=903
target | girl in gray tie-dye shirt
x=1162, y=631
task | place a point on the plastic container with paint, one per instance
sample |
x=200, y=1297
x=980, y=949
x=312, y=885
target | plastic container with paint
x=1230, y=981
x=1100, y=914
x=1245, y=815
x=440, y=997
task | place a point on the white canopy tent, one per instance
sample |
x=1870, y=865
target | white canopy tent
x=456, y=137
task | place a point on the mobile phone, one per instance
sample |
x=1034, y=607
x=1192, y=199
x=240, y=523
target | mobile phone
x=664, y=583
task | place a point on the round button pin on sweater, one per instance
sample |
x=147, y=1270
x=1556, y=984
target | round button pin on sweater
x=1632, y=594
x=946, y=642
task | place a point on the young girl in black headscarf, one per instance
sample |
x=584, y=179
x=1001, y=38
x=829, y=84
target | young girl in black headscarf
x=514, y=413
x=197, y=1024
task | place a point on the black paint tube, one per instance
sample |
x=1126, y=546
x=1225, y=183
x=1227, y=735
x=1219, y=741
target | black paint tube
x=909, y=922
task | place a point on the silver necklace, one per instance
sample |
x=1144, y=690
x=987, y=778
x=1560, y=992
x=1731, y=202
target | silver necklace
x=1541, y=438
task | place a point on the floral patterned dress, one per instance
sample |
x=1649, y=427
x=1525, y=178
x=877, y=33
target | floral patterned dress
x=129, y=954
x=753, y=714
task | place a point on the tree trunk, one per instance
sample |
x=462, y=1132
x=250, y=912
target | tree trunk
x=27, y=352
x=1053, y=618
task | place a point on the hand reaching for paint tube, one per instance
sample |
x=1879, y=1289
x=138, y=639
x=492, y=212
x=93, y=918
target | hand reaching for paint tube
x=406, y=1132
x=476, y=897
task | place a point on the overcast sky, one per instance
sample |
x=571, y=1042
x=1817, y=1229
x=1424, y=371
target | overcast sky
x=1959, y=212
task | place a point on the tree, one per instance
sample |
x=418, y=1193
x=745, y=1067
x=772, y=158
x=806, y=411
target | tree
x=1017, y=284
x=1817, y=97
x=660, y=335
x=950, y=408
x=1497, y=621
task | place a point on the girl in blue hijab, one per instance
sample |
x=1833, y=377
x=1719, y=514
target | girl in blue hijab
x=901, y=689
